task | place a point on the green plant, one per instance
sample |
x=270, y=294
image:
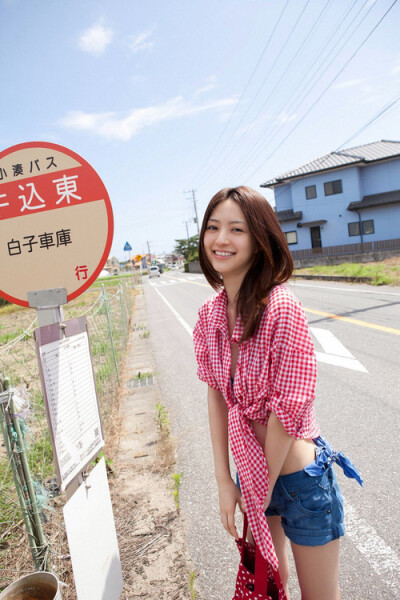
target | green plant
x=177, y=484
x=145, y=334
x=108, y=461
x=141, y=375
x=40, y=455
x=193, y=592
x=161, y=418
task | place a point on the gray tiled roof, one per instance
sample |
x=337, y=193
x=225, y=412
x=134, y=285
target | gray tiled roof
x=367, y=153
x=289, y=215
x=382, y=199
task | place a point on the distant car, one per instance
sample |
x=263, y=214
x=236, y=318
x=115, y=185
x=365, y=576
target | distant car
x=174, y=266
x=154, y=272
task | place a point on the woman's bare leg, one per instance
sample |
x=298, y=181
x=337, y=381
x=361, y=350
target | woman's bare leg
x=318, y=570
x=280, y=543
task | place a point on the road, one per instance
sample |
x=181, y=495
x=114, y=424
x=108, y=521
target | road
x=357, y=409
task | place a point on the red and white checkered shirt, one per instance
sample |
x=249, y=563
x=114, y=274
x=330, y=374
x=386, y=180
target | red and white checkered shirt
x=275, y=371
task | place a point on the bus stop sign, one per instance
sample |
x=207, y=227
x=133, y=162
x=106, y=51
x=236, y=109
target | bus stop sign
x=56, y=221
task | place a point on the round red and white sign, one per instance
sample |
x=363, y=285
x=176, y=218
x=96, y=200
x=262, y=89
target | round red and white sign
x=56, y=221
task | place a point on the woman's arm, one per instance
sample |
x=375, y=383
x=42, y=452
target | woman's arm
x=229, y=493
x=277, y=446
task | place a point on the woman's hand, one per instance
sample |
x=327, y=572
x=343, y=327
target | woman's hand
x=229, y=497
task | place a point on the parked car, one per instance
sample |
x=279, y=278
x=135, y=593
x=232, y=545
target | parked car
x=154, y=272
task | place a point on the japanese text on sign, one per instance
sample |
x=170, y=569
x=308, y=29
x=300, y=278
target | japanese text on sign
x=71, y=402
x=31, y=199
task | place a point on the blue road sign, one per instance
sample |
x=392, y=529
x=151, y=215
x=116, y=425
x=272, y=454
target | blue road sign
x=127, y=247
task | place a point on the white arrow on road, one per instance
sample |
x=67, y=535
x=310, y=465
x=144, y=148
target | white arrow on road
x=334, y=352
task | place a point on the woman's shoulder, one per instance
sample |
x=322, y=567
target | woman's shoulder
x=281, y=300
x=211, y=305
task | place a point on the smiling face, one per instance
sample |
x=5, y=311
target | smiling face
x=228, y=243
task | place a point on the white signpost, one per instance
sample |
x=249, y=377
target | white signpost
x=56, y=228
x=70, y=394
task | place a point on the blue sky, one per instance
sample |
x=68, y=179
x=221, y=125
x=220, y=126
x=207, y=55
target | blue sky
x=166, y=96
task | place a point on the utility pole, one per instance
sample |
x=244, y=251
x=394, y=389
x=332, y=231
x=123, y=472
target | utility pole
x=195, y=207
x=187, y=234
x=148, y=248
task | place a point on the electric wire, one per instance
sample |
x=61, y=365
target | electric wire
x=296, y=101
x=375, y=117
x=292, y=62
x=225, y=156
x=243, y=92
x=321, y=95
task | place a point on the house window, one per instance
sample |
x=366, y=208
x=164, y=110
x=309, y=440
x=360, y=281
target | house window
x=333, y=187
x=291, y=237
x=311, y=192
x=367, y=227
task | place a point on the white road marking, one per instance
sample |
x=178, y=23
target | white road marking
x=334, y=351
x=382, y=558
x=336, y=289
x=175, y=312
x=378, y=554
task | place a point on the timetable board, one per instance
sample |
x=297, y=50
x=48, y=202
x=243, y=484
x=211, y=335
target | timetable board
x=70, y=396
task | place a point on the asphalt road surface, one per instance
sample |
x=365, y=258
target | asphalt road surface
x=357, y=407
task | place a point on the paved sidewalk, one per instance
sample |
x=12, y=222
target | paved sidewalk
x=139, y=432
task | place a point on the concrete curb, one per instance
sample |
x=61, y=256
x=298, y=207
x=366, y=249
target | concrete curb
x=139, y=431
x=335, y=278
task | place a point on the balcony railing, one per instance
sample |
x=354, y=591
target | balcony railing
x=347, y=249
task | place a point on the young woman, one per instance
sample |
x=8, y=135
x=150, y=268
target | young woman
x=255, y=352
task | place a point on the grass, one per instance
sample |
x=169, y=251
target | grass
x=386, y=272
x=193, y=592
x=177, y=484
x=162, y=418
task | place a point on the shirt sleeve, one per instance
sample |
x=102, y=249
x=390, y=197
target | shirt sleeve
x=293, y=372
x=201, y=349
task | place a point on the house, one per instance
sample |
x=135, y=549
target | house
x=348, y=200
x=112, y=265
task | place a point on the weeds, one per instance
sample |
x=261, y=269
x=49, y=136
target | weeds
x=193, y=592
x=382, y=273
x=141, y=375
x=177, y=485
x=162, y=418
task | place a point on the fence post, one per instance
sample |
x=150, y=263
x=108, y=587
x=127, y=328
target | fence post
x=123, y=313
x=22, y=478
x=110, y=332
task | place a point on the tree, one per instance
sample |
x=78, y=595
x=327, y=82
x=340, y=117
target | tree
x=189, y=250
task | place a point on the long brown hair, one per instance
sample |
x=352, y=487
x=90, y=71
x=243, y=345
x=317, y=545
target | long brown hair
x=272, y=264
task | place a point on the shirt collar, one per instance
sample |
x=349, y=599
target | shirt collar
x=219, y=318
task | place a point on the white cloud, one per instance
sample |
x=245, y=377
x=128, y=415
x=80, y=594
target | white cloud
x=95, y=39
x=205, y=88
x=396, y=70
x=141, y=42
x=284, y=118
x=347, y=84
x=111, y=125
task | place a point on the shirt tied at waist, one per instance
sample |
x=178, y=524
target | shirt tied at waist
x=254, y=480
x=325, y=456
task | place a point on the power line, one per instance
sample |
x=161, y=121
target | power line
x=243, y=92
x=296, y=101
x=226, y=156
x=291, y=64
x=325, y=89
x=377, y=115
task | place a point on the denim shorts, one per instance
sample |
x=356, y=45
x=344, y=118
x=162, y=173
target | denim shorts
x=310, y=507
